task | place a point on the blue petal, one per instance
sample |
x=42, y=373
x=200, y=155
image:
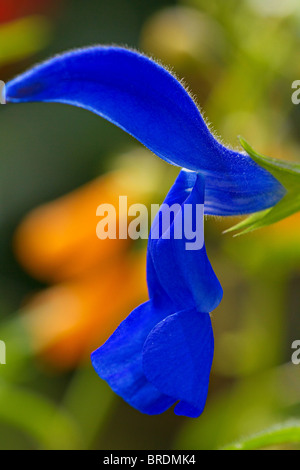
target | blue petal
x=177, y=195
x=176, y=281
x=119, y=360
x=177, y=359
x=186, y=275
x=145, y=100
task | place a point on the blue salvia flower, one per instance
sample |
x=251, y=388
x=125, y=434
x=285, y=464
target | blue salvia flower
x=162, y=353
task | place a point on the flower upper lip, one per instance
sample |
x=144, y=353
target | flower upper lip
x=148, y=102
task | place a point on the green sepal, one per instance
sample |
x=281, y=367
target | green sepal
x=288, y=174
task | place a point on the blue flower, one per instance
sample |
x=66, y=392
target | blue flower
x=162, y=352
x=145, y=100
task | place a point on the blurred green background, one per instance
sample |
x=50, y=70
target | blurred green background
x=239, y=59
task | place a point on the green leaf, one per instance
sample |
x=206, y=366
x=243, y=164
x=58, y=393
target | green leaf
x=52, y=427
x=288, y=174
x=277, y=435
x=91, y=413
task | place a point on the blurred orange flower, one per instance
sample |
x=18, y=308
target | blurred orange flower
x=69, y=320
x=58, y=240
x=98, y=281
